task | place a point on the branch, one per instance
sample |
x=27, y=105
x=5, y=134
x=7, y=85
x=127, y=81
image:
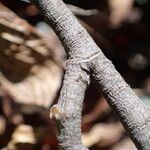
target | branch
x=84, y=58
x=82, y=12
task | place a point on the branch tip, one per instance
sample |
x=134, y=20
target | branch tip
x=56, y=113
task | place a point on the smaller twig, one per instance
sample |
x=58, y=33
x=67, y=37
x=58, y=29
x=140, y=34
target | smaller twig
x=82, y=12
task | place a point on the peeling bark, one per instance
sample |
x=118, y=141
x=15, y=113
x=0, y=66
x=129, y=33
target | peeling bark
x=85, y=59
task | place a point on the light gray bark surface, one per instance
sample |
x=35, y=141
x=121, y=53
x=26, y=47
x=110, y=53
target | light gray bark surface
x=85, y=59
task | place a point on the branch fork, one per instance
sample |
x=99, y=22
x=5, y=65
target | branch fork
x=88, y=59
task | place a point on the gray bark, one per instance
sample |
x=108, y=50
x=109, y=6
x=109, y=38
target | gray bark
x=85, y=59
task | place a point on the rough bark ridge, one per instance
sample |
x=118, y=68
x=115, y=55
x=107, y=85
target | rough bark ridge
x=85, y=59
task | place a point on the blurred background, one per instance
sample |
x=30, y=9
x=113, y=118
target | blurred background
x=32, y=64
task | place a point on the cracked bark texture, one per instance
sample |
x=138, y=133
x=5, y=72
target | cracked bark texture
x=85, y=59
